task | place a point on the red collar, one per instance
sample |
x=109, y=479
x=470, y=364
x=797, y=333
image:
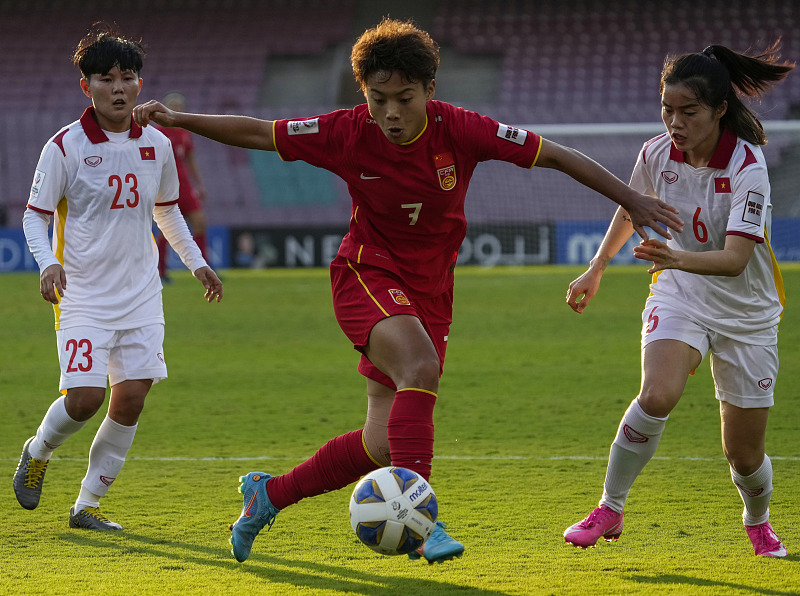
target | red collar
x=96, y=134
x=722, y=154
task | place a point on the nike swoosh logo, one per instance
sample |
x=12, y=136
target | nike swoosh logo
x=363, y=177
x=246, y=512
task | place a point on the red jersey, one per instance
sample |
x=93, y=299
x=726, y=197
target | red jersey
x=181, y=145
x=408, y=200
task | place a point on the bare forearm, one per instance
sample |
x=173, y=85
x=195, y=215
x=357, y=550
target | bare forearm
x=239, y=131
x=619, y=232
x=714, y=262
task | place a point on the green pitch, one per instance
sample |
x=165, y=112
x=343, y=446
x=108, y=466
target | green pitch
x=528, y=406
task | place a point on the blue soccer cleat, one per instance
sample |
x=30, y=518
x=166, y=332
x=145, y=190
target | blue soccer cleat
x=257, y=512
x=440, y=547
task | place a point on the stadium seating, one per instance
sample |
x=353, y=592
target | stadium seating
x=575, y=61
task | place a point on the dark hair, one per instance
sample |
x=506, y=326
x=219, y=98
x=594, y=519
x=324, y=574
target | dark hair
x=718, y=74
x=103, y=48
x=395, y=46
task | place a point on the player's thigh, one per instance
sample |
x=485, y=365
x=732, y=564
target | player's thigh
x=744, y=374
x=83, y=354
x=138, y=354
x=673, y=346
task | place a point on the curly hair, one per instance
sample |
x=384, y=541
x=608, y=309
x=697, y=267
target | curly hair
x=395, y=46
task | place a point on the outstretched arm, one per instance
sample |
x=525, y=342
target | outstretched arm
x=239, y=131
x=644, y=210
x=583, y=289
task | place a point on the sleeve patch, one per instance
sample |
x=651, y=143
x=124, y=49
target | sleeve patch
x=753, y=207
x=303, y=127
x=511, y=133
x=38, y=180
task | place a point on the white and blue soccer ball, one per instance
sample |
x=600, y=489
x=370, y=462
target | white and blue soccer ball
x=393, y=510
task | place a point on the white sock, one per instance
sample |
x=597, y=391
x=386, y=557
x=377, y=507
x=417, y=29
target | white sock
x=57, y=426
x=756, y=491
x=106, y=457
x=637, y=438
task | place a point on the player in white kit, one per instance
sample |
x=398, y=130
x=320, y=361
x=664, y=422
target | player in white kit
x=103, y=180
x=716, y=286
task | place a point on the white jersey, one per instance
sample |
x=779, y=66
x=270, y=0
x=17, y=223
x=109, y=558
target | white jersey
x=729, y=196
x=102, y=188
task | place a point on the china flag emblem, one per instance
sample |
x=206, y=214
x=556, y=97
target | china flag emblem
x=722, y=185
x=147, y=153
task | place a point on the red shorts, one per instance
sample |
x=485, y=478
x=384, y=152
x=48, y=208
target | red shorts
x=189, y=199
x=363, y=295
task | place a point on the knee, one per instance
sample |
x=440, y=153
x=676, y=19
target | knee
x=658, y=401
x=744, y=461
x=82, y=403
x=422, y=373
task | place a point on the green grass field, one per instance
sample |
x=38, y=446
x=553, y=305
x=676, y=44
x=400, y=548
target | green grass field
x=528, y=406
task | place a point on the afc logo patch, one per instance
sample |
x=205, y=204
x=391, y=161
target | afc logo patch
x=38, y=180
x=399, y=297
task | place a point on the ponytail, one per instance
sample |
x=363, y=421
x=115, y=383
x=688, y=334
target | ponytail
x=718, y=74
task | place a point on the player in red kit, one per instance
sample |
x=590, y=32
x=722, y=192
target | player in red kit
x=407, y=160
x=192, y=193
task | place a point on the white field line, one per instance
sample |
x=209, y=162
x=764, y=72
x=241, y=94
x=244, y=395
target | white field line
x=440, y=457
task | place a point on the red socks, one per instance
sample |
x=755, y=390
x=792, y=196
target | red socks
x=337, y=463
x=343, y=460
x=411, y=430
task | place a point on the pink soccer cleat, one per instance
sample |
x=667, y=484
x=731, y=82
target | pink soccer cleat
x=765, y=540
x=602, y=522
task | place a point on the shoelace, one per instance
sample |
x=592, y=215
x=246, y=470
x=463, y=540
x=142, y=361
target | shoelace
x=95, y=513
x=596, y=517
x=36, y=468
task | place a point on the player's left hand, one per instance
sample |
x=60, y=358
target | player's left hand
x=657, y=252
x=656, y=214
x=210, y=282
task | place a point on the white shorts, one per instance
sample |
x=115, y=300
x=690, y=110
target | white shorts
x=744, y=374
x=93, y=357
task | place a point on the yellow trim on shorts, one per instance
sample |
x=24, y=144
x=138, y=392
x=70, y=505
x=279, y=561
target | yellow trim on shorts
x=366, y=289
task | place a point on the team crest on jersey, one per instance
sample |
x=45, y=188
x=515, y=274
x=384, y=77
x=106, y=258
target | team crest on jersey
x=753, y=207
x=445, y=170
x=669, y=176
x=303, y=127
x=38, y=179
x=93, y=161
x=511, y=133
x=399, y=297
x=722, y=185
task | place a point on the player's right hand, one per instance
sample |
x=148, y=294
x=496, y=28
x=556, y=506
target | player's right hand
x=153, y=111
x=52, y=283
x=583, y=289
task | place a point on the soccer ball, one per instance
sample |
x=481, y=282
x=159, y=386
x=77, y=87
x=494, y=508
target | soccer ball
x=393, y=510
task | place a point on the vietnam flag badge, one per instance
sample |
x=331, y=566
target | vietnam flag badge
x=147, y=153
x=722, y=185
